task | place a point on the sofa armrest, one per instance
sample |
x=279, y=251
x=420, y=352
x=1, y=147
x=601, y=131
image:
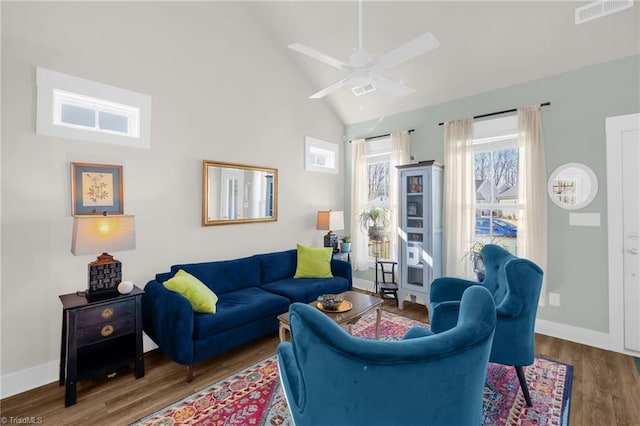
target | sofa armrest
x=168, y=320
x=340, y=268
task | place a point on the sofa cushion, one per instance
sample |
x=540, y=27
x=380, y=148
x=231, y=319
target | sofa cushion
x=314, y=262
x=200, y=296
x=237, y=308
x=226, y=275
x=307, y=290
x=277, y=266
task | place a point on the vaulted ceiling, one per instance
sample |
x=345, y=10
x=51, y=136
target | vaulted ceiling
x=483, y=45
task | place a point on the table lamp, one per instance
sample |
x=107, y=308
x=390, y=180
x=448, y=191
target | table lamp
x=329, y=221
x=95, y=234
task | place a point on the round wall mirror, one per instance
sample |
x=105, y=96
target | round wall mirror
x=572, y=186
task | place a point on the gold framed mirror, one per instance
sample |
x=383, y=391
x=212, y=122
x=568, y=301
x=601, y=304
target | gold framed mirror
x=238, y=193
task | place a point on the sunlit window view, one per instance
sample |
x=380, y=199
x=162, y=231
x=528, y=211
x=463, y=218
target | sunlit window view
x=378, y=161
x=496, y=186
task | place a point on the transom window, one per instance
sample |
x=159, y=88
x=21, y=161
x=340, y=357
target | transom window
x=84, y=112
x=76, y=108
x=322, y=157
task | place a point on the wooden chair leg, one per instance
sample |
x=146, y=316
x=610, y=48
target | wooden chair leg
x=523, y=384
x=189, y=373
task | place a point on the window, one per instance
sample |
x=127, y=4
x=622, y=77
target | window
x=72, y=107
x=378, y=186
x=320, y=156
x=378, y=161
x=496, y=177
x=83, y=112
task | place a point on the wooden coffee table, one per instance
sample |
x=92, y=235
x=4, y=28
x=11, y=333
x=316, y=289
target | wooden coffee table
x=362, y=305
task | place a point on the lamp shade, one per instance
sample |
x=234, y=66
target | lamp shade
x=100, y=234
x=330, y=220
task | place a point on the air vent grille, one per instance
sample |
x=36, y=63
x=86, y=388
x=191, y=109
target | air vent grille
x=361, y=90
x=600, y=8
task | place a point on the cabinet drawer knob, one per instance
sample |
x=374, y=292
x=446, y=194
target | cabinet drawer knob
x=107, y=313
x=107, y=330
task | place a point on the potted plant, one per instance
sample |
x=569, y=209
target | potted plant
x=374, y=220
x=475, y=255
x=345, y=243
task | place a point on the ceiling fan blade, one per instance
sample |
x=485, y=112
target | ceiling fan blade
x=409, y=50
x=330, y=89
x=305, y=50
x=394, y=87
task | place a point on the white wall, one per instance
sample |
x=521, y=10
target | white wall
x=220, y=91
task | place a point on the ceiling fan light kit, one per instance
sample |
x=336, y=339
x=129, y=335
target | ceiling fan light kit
x=363, y=72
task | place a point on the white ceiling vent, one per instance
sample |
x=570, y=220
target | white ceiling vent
x=600, y=8
x=364, y=89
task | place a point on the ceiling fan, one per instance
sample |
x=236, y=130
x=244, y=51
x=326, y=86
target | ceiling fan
x=363, y=71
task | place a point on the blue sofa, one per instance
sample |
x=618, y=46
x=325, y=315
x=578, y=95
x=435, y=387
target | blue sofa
x=252, y=292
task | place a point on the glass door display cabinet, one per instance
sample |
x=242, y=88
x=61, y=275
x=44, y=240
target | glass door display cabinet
x=420, y=230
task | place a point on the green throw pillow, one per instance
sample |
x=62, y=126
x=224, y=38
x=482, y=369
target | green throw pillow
x=199, y=295
x=314, y=262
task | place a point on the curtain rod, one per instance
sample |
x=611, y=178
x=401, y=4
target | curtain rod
x=383, y=136
x=500, y=112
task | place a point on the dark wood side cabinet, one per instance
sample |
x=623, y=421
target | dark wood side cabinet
x=99, y=337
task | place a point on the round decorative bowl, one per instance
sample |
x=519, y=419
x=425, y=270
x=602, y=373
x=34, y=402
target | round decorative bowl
x=330, y=302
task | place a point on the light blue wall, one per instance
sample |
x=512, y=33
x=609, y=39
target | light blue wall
x=574, y=131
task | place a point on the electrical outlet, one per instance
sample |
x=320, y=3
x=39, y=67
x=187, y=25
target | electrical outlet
x=554, y=299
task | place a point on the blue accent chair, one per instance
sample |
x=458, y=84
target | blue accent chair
x=515, y=284
x=331, y=377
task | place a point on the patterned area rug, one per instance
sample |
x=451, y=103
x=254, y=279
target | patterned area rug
x=254, y=396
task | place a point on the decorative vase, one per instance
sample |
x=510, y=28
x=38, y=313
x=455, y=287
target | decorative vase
x=345, y=247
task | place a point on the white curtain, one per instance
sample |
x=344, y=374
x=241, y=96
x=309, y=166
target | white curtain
x=459, y=197
x=399, y=156
x=359, y=198
x=532, y=191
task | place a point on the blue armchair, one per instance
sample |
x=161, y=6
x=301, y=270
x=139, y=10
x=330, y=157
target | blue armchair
x=331, y=377
x=515, y=284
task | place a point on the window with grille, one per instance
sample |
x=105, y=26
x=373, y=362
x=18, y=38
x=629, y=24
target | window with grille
x=76, y=108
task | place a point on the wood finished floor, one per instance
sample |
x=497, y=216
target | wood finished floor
x=606, y=385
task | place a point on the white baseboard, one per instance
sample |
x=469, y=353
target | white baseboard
x=43, y=374
x=572, y=333
x=29, y=378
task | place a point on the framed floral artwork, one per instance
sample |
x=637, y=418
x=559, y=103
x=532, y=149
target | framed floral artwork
x=96, y=189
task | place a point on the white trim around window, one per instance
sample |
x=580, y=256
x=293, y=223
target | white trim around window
x=320, y=156
x=76, y=108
